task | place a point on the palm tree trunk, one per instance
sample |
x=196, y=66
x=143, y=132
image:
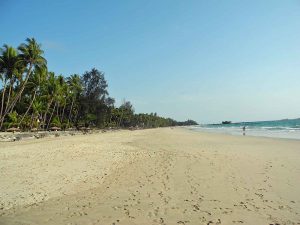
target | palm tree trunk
x=51, y=116
x=7, y=103
x=9, y=94
x=57, y=112
x=31, y=121
x=19, y=94
x=76, y=115
x=2, y=104
x=45, y=115
x=63, y=113
x=29, y=107
x=69, y=117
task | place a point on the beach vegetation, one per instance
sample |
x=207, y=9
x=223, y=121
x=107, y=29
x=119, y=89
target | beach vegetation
x=32, y=97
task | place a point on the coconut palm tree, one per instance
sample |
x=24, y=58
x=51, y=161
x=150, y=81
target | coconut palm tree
x=60, y=96
x=75, y=88
x=10, y=64
x=37, y=107
x=49, y=89
x=65, y=95
x=30, y=56
x=34, y=85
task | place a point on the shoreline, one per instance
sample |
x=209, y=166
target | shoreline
x=152, y=176
x=250, y=133
x=247, y=136
x=21, y=136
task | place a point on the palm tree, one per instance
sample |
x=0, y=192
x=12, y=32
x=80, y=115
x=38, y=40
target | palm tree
x=50, y=89
x=65, y=95
x=9, y=64
x=37, y=107
x=60, y=97
x=34, y=84
x=31, y=55
x=75, y=86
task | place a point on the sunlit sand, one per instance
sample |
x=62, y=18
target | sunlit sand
x=156, y=176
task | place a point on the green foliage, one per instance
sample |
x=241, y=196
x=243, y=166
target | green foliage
x=12, y=120
x=33, y=97
x=187, y=123
x=55, y=122
x=26, y=122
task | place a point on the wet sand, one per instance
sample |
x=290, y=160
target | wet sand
x=157, y=176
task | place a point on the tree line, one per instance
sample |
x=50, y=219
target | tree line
x=31, y=97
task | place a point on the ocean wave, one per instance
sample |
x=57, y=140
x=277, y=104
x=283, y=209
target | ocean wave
x=292, y=132
x=249, y=127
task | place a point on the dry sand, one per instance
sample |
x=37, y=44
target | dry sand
x=158, y=176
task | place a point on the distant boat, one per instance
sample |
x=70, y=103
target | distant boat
x=226, y=122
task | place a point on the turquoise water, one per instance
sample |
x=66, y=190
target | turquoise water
x=287, y=128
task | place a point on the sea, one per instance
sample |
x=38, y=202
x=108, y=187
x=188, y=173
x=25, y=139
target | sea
x=286, y=128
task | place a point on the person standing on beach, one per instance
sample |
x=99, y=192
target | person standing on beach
x=244, y=130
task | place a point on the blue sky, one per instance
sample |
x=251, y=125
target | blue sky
x=205, y=60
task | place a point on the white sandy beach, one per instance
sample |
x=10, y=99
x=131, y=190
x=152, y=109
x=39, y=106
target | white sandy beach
x=156, y=176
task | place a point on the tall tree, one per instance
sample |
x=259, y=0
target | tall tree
x=30, y=94
x=10, y=64
x=75, y=88
x=48, y=94
x=34, y=86
x=127, y=112
x=31, y=56
x=94, y=85
x=93, y=98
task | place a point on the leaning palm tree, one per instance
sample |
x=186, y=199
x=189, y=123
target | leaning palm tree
x=10, y=64
x=49, y=89
x=57, y=96
x=37, y=108
x=34, y=84
x=65, y=95
x=31, y=55
x=75, y=87
x=60, y=95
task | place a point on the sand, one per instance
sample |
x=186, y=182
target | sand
x=157, y=176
